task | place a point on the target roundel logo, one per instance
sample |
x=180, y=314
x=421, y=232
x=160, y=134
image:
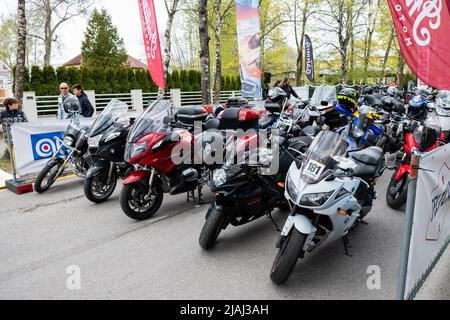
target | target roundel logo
x=44, y=145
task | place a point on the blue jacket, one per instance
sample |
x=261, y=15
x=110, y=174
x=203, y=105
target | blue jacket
x=87, y=110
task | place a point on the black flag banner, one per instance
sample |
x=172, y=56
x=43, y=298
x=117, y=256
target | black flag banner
x=309, y=57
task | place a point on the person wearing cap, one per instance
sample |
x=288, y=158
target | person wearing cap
x=64, y=90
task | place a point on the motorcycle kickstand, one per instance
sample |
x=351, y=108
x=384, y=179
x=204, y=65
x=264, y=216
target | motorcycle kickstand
x=347, y=246
x=273, y=221
x=197, y=201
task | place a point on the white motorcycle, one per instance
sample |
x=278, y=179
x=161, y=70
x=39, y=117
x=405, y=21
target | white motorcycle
x=331, y=191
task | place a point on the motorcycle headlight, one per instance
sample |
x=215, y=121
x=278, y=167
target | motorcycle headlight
x=138, y=149
x=112, y=136
x=291, y=189
x=315, y=199
x=219, y=177
x=68, y=141
x=358, y=133
x=94, y=142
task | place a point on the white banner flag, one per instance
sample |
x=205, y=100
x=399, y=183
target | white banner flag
x=431, y=226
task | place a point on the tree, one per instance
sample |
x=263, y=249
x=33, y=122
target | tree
x=8, y=41
x=172, y=8
x=371, y=24
x=102, y=45
x=204, y=50
x=21, y=48
x=221, y=11
x=52, y=15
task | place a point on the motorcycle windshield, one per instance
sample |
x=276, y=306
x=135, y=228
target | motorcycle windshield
x=443, y=100
x=152, y=120
x=324, y=93
x=321, y=156
x=115, y=112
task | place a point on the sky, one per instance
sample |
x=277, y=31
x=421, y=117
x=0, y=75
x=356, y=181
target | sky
x=125, y=15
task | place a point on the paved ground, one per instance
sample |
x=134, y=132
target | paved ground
x=42, y=236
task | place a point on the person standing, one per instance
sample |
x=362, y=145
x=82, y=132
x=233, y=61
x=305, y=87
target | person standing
x=64, y=89
x=11, y=115
x=87, y=110
x=286, y=86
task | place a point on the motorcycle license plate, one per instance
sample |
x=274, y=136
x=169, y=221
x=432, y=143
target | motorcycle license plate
x=314, y=169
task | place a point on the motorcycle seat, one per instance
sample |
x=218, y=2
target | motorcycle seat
x=365, y=171
x=311, y=131
x=190, y=114
x=370, y=156
x=265, y=122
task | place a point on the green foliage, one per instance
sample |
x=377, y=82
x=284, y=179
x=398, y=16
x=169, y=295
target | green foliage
x=114, y=80
x=102, y=46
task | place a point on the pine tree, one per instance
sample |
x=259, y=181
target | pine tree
x=37, y=79
x=50, y=84
x=102, y=46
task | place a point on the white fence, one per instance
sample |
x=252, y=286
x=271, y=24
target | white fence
x=38, y=107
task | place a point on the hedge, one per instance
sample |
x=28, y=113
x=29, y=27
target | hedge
x=45, y=81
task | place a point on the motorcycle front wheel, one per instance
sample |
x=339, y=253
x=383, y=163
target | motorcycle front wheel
x=287, y=257
x=213, y=227
x=97, y=190
x=47, y=177
x=139, y=203
x=397, y=192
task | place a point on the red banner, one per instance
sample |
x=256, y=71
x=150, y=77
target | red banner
x=423, y=30
x=151, y=42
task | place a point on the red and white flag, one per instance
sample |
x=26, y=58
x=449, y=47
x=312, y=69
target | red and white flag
x=152, y=42
x=423, y=30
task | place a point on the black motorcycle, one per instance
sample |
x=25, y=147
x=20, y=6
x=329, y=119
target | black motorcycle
x=107, y=141
x=72, y=153
x=244, y=194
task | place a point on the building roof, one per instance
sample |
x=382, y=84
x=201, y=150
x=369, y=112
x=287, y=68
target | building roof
x=131, y=62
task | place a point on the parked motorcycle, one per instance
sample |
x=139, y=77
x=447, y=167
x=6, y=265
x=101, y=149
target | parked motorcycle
x=72, y=153
x=243, y=194
x=421, y=138
x=150, y=150
x=331, y=192
x=107, y=141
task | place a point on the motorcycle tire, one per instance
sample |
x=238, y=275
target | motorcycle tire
x=211, y=230
x=287, y=257
x=391, y=199
x=131, y=199
x=50, y=170
x=93, y=195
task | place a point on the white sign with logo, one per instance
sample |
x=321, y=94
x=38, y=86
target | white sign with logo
x=431, y=226
x=34, y=143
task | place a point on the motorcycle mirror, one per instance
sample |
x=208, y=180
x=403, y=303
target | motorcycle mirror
x=324, y=103
x=167, y=120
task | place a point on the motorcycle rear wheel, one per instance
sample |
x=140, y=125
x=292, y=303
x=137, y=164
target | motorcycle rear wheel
x=287, y=256
x=136, y=206
x=96, y=191
x=48, y=175
x=397, y=195
x=211, y=230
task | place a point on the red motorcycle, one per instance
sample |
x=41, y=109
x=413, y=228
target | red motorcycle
x=423, y=139
x=158, y=136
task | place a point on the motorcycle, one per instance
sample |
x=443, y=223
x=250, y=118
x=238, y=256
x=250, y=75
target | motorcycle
x=107, y=140
x=72, y=153
x=421, y=138
x=156, y=137
x=243, y=193
x=418, y=106
x=331, y=191
x=441, y=112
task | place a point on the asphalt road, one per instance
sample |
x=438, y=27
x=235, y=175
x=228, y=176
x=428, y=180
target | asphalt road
x=41, y=236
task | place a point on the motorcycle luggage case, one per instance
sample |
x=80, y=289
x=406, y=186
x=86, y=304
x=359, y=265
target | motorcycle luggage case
x=272, y=107
x=237, y=103
x=190, y=114
x=233, y=119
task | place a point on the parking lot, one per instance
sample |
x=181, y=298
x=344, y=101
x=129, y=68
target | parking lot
x=42, y=236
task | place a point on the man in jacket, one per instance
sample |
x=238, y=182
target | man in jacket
x=87, y=110
x=64, y=89
x=286, y=86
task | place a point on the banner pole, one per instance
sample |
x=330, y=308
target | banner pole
x=407, y=232
x=11, y=153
